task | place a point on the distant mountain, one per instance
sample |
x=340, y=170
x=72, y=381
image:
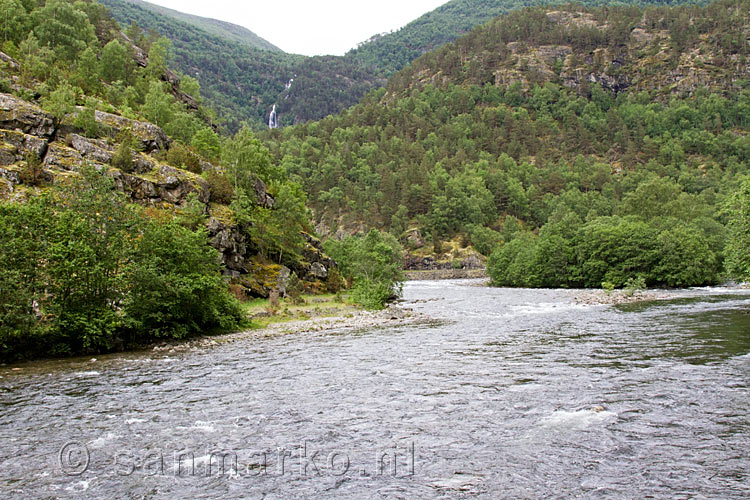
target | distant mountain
x=242, y=82
x=390, y=52
x=215, y=27
x=544, y=114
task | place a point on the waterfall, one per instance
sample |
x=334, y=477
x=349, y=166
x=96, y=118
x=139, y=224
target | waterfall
x=272, y=120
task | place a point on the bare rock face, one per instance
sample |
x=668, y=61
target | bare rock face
x=414, y=238
x=17, y=114
x=231, y=245
x=151, y=137
x=16, y=146
x=265, y=200
x=95, y=150
x=12, y=63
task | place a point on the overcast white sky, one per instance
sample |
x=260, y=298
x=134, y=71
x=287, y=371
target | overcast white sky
x=310, y=27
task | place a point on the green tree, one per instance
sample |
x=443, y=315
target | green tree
x=207, y=143
x=62, y=101
x=15, y=21
x=374, y=263
x=64, y=28
x=174, y=284
x=114, y=62
x=738, y=245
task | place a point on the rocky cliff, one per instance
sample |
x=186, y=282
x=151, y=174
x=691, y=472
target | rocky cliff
x=38, y=151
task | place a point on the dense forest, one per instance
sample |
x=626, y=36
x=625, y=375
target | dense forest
x=242, y=83
x=546, y=128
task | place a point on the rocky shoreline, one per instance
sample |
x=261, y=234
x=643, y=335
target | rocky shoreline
x=445, y=274
x=348, y=319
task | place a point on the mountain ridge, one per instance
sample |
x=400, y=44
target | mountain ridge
x=216, y=27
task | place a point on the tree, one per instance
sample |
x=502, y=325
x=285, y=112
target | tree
x=157, y=107
x=114, y=62
x=374, y=263
x=15, y=21
x=87, y=74
x=64, y=28
x=207, y=143
x=175, y=287
x=738, y=245
x=62, y=101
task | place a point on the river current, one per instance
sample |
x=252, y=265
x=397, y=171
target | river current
x=507, y=394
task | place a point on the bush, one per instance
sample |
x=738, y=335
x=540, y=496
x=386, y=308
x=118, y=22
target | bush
x=85, y=119
x=181, y=156
x=374, y=262
x=220, y=187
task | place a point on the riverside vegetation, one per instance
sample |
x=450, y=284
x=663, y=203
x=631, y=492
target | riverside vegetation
x=122, y=205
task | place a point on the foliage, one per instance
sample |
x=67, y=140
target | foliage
x=85, y=119
x=738, y=244
x=87, y=273
x=374, y=263
x=61, y=101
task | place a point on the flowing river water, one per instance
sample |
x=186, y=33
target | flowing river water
x=508, y=394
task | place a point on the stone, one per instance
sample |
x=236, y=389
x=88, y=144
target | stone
x=95, y=150
x=414, y=238
x=17, y=114
x=15, y=146
x=282, y=281
x=318, y=270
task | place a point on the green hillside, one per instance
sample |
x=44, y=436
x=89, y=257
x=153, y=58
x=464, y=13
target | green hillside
x=539, y=123
x=215, y=27
x=124, y=217
x=392, y=51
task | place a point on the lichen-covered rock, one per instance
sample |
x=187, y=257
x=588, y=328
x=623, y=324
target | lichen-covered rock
x=11, y=176
x=230, y=243
x=61, y=157
x=150, y=137
x=12, y=63
x=175, y=185
x=318, y=270
x=16, y=146
x=17, y=114
x=96, y=150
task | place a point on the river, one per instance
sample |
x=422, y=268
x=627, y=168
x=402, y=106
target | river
x=508, y=394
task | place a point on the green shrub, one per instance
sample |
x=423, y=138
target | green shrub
x=374, y=262
x=219, y=186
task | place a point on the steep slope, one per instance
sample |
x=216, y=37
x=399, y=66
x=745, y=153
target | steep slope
x=117, y=215
x=243, y=83
x=392, y=51
x=541, y=114
x=215, y=27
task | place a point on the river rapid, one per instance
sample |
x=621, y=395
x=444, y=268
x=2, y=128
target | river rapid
x=507, y=394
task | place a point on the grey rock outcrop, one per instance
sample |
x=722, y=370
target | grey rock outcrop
x=16, y=146
x=17, y=114
x=231, y=245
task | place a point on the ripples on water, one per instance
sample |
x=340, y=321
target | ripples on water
x=516, y=394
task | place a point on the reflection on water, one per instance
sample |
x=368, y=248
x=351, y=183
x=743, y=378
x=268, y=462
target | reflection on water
x=516, y=394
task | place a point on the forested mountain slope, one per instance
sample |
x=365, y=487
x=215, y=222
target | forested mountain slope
x=538, y=123
x=243, y=83
x=120, y=205
x=390, y=52
x=213, y=26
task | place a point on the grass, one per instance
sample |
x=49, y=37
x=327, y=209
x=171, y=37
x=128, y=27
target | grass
x=314, y=306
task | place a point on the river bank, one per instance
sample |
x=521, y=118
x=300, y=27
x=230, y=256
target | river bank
x=306, y=320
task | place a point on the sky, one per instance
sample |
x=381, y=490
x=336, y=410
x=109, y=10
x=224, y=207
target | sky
x=310, y=27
